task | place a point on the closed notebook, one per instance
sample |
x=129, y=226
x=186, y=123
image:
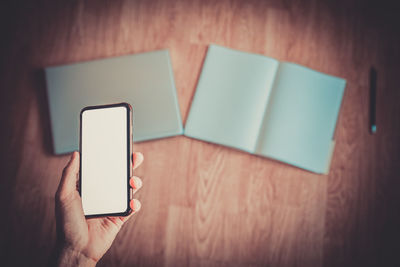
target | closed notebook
x=143, y=80
x=279, y=110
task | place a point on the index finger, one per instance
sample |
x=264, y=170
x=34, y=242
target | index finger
x=137, y=159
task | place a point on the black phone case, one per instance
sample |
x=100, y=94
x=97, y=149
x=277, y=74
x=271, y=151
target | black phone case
x=129, y=155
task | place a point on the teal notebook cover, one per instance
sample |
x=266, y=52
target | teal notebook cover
x=274, y=109
x=143, y=80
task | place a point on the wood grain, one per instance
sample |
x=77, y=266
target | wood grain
x=203, y=204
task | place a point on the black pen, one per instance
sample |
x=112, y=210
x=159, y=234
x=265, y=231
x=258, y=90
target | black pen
x=372, y=99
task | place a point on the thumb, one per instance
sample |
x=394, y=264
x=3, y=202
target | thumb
x=69, y=177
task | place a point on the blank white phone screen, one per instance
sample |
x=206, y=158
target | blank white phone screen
x=104, y=160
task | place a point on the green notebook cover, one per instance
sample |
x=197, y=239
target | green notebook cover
x=143, y=80
x=274, y=109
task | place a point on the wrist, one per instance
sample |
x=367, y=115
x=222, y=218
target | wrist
x=70, y=257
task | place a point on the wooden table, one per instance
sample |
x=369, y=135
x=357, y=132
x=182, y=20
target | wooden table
x=204, y=204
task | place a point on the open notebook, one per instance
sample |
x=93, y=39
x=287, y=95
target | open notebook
x=260, y=105
x=143, y=80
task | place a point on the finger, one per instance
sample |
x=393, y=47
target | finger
x=125, y=218
x=69, y=176
x=136, y=183
x=135, y=207
x=137, y=159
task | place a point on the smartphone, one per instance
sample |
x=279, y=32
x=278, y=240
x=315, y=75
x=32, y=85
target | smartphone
x=106, y=143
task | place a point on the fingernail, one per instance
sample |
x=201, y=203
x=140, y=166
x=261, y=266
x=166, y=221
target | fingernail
x=136, y=182
x=138, y=157
x=136, y=205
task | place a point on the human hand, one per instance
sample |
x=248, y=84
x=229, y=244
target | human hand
x=84, y=241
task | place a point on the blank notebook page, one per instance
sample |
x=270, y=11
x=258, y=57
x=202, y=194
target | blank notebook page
x=230, y=98
x=301, y=117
